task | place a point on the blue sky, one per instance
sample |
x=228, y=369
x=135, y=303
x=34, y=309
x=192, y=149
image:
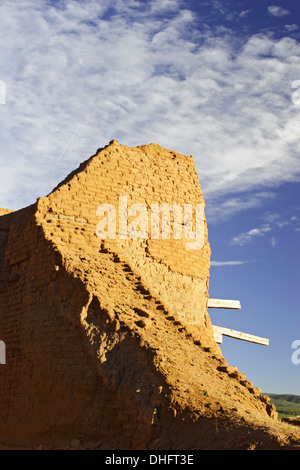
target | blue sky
x=215, y=79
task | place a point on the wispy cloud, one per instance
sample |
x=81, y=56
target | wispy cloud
x=227, y=263
x=272, y=221
x=247, y=237
x=143, y=72
x=278, y=11
x=218, y=211
x=278, y=220
x=291, y=27
x=244, y=13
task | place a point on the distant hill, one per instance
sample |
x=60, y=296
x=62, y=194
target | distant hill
x=286, y=405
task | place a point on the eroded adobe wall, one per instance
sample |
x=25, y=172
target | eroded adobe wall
x=145, y=175
x=54, y=265
x=94, y=348
x=53, y=385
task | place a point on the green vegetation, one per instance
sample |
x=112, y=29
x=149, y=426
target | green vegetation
x=286, y=405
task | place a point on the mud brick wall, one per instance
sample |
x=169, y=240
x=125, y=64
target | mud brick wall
x=5, y=218
x=147, y=175
x=96, y=330
x=52, y=385
x=110, y=340
x=68, y=298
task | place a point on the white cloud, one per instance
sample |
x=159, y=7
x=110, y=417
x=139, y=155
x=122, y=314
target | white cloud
x=218, y=211
x=227, y=263
x=271, y=217
x=82, y=74
x=277, y=221
x=273, y=222
x=244, y=13
x=278, y=11
x=291, y=27
x=247, y=237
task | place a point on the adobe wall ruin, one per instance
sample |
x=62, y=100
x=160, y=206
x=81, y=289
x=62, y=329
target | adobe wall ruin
x=145, y=175
x=110, y=340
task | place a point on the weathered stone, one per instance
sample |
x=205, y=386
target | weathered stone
x=295, y=421
x=271, y=410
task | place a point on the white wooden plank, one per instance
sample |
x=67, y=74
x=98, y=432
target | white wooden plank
x=223, y=303
x=218, y=337
x=219, y=330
